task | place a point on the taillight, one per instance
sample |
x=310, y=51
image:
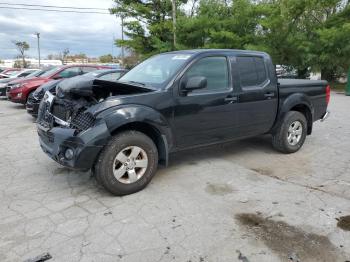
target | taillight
x=328, y=94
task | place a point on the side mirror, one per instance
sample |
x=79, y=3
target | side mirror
x=56, y=77
x=193, y=83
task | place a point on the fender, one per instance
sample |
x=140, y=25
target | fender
x=119, y=116
x=291, y=101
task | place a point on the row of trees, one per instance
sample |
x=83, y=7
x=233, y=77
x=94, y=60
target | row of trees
x=300, y=33
x=63, y=56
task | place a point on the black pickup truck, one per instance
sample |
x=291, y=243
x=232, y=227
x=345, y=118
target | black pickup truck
x=170, y=102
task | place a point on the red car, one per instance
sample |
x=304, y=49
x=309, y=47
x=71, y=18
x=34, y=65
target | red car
x=5, y=73
x=19, y=91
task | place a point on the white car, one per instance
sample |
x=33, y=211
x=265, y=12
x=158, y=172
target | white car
x=27, y=73
x=17, y=74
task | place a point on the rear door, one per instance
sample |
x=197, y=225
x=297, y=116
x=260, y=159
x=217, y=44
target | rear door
x=256, y=88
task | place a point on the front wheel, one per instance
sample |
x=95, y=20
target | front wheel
x=127, y=163
x=291, y=133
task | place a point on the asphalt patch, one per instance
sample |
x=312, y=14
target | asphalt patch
x=219, y=189
x=284, y=240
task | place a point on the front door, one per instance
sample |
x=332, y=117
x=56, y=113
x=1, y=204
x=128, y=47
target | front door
x=206, y=115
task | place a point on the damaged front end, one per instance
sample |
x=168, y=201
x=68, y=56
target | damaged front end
x=68, y=129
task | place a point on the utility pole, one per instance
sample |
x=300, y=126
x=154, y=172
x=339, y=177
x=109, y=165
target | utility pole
x=174, y=22
x=122, y=18
x=38, y=36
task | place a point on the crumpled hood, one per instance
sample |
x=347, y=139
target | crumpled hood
x=91, y=87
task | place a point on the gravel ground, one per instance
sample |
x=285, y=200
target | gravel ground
x=236, y=202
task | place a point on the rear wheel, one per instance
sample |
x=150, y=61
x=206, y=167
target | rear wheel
x=127, y=163
x=291, y=133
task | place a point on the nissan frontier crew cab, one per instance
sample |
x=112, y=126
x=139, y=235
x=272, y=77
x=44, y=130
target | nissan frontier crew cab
x=170, y=102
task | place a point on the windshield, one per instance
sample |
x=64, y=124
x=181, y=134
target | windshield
x=12, y=73
x=35, y=73
x=51, y=71
x=156, y=70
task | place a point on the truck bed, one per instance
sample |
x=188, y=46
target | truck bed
x=315, y=90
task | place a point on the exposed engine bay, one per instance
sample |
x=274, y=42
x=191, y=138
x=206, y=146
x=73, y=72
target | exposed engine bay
x=69, y=108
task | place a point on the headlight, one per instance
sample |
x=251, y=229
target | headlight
x=59, y=92
x=16, y=86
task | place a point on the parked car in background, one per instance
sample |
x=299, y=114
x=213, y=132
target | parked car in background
x=283, y=71
x=21, y=73
x=10, y=80
x=170, y=102
x=5, y=73
x=35, y=97
x=19, y=92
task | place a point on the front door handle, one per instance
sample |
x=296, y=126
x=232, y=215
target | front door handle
x=231, y=99
x=269, y=95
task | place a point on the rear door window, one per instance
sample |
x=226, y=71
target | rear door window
x=252, y=71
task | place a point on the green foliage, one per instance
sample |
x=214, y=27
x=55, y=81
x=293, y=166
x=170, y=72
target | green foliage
x=22, y=46
x=19, y=64
x=106, y=58
x=219, y=25
x=148, y=25
x=332, y=45
x=305, y=34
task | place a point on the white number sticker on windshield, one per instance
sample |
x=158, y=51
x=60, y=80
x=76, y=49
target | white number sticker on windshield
x=181, y=57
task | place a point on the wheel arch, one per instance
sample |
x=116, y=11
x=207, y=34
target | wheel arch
x=296, y=102
x=144, y=119
x=306, y=111
x=159, y=139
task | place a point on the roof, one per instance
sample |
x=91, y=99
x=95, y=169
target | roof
x=70, y=65
x=200, y=51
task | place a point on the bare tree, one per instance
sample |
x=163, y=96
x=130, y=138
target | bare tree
x=193, y=8
x=62, y=55
x=21, y=47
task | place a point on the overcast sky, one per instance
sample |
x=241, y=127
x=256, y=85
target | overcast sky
x=91, y=34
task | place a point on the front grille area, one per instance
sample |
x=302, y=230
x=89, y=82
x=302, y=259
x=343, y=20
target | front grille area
x=71, y=112
x=40, y=94
x=44, y=118
x=82, y=120
x=31, y=98
x=59, y=111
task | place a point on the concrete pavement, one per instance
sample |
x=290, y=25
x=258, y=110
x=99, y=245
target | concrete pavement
x=236, y=202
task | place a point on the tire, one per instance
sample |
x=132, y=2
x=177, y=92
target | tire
x=30, y=93
x=108, y=168
x=282, y=139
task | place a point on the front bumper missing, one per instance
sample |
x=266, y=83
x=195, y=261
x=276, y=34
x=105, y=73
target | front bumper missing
x=86, y=145
x=325, y=116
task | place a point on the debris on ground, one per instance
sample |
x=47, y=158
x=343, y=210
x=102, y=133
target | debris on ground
x=293, y=257
x=344, y=223
x=41, y=258
x=241, y=257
